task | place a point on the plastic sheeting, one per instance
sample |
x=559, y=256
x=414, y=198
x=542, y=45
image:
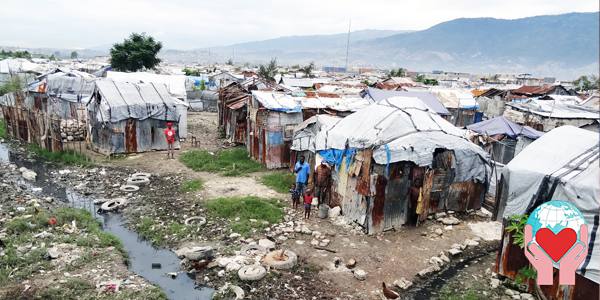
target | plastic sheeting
x=570, y=156
x=305, y=132
x=502, y=125
x=428, y=98
x=451, y=98
x=419, y=148
x=122, y=100
x=174, y=83
x=277, y=102
x=404, y=129
x=383, y=122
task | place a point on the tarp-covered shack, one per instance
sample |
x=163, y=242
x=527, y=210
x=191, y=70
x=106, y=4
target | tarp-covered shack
x=271, y=121
x=563, y=164
x=127, y=117
x=396, y=161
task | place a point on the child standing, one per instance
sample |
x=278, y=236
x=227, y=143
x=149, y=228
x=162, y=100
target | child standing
x=308, y=198
x=295, y=196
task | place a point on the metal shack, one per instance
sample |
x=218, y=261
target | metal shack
x=396, y=162
x=560, y=165
x=271, y=120
x=126, y=117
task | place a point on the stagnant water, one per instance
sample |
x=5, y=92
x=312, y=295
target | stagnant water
x=142, y=255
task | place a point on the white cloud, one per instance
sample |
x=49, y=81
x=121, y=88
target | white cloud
x=188, y=24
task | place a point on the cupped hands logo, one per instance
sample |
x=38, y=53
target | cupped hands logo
x=556, y=235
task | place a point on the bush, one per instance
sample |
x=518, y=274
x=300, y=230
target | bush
x=230, y=162
x=280, y=182
x=246, y=208
x=68, y=157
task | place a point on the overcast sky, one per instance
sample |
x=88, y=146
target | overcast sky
x=187, y=24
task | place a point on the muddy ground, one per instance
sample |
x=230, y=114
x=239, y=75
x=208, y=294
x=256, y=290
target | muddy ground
x=324, y=246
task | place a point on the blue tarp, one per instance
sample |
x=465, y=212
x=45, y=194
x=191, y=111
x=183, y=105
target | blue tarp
x=502, y=125
x=335, y=156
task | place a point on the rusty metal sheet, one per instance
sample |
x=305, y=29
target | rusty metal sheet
x=131, y=136
x=377, y=214
x=427, y=185
x=364, y=179
x=461, y=196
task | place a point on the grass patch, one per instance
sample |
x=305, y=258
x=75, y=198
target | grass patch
x=2, y=129
x=67, y=157
x=229, y=162
x=279, y=181
x=159, y=234
x=246, y=208
x=192, y=185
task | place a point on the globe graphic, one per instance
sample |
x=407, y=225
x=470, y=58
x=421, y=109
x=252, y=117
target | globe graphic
x=556, y=215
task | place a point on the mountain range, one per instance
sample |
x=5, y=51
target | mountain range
x=564, y=46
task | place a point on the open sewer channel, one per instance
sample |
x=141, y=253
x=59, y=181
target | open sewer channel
x=142, y=255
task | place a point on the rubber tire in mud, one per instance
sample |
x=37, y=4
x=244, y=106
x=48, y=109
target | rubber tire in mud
x=129, y=188
x=100, y=200
x=112, y=204
x=246, y=250
x=142, y=175
x=198, y=221
x=272, y=260
x=138, y=181
x=252, y=273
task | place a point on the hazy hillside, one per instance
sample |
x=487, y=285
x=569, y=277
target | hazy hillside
x=570, y=41
x=560, y=45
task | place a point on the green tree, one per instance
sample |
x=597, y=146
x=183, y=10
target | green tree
x=268, y=71
x=52, y=57
x=401, y=72
x=74, y=55
x=191, y=72
x=137, y=52
x=230, y=62
x=308, y=69
x=202, y=85
x=586, y=83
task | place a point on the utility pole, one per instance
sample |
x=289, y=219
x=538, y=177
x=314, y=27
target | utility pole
x=348, y=44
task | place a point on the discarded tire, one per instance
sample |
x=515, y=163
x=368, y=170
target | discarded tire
x=195, y=221
x=144, y=175
x=252, y=273
x=129, y=188
x=100, y=200
x=276, y=260
x=138, y=181
x=249, y=250
x=113, y=204
x=227, y=289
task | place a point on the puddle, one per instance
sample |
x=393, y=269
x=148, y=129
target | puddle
x=142, y=255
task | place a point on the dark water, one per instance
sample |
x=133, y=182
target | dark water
x=141, y=253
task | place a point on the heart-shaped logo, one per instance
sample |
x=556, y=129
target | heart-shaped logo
x=556, y=245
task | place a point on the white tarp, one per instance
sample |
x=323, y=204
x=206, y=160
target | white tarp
x=567, y=154
x=405, y=129
x=19, y=65
x=383, y=122
x=175, y=83
x=305, y=132
x=123, y=100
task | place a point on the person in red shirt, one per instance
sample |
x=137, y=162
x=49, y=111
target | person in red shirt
x=308, y=198
x=170, y=135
